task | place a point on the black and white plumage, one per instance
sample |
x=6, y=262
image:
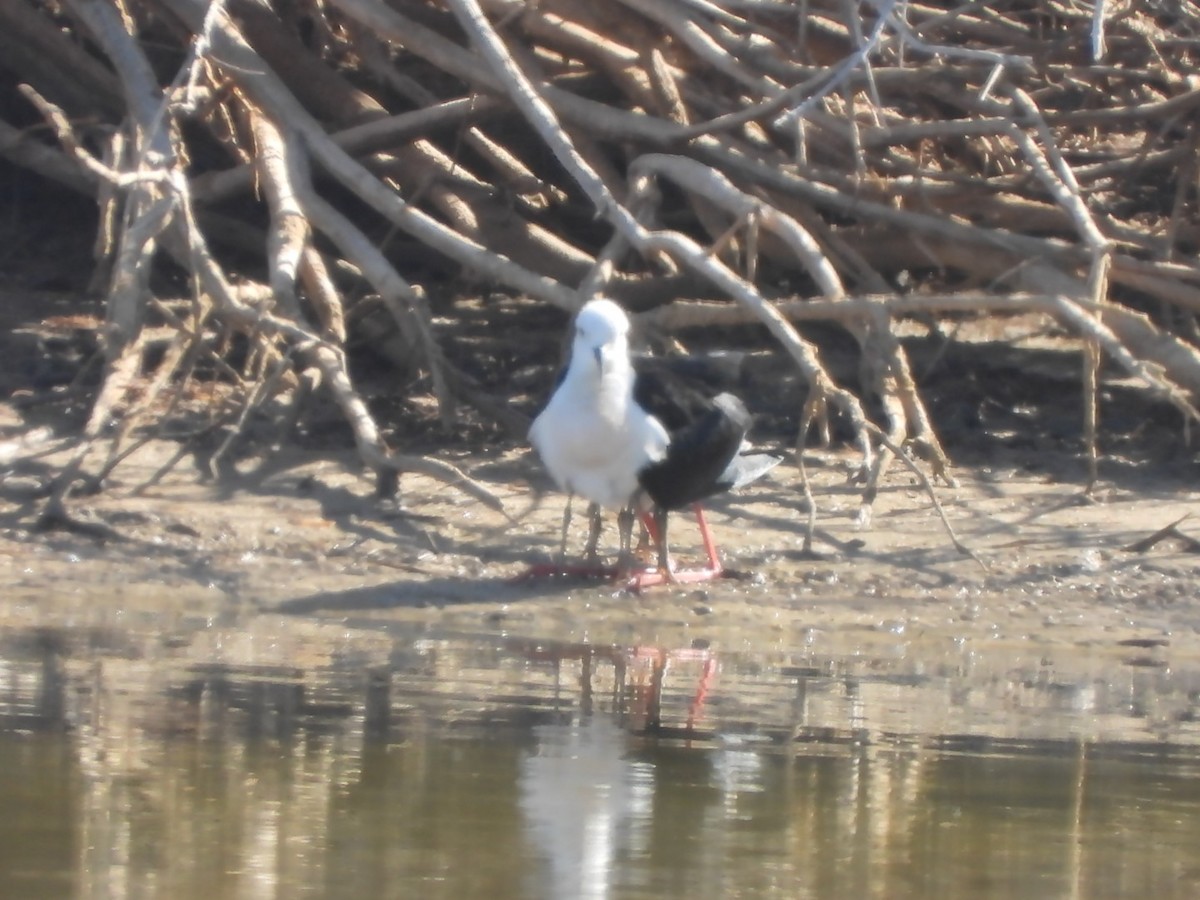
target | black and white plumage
x=641, y=438
x=706, y=455
x=593, y=436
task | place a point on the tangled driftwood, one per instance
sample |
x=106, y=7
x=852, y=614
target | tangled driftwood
x=740, y=160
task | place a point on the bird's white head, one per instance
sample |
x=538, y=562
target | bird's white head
x=601, y=335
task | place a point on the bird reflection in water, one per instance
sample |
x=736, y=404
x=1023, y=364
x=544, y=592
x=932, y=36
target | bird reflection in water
x=586, y=796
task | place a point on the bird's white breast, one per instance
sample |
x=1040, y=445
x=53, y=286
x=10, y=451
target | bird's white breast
x=594, y=439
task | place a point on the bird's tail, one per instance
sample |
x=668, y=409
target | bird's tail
x=747, y=467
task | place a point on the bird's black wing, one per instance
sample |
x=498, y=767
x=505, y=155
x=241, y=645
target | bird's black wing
x=699, y=456
x=679, y=391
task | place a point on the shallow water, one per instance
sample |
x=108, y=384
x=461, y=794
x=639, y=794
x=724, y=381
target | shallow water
x=288, y=758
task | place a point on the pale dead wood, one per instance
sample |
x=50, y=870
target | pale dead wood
x=289, y=230
x=332, y=363
x=802, y=163
x=129, y=294
x=148, y=212
x=22, y=148
x=249, y=70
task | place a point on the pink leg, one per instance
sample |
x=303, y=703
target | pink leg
x=696, y=707
x=710, y=546
x=653, y=577
x=590, y=569
x=645, y=578
x=648, y=696
x=651, y=528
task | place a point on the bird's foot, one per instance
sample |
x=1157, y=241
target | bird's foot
x=633, y=576
x=659, y=575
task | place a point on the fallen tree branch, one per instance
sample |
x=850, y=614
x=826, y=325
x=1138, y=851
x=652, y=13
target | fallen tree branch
x=885, y=162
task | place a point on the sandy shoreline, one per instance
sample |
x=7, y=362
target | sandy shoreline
x=306, y=538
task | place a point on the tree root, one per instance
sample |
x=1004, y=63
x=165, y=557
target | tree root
x=871, y=166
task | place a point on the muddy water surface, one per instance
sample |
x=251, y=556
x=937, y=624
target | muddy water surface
x=276, y=689
x=282, y=757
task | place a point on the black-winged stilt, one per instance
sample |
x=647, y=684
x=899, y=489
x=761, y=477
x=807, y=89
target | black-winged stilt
x=639, y=441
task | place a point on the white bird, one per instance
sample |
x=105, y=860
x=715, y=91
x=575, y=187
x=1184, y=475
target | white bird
x=627, y=439
x=593, y=436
